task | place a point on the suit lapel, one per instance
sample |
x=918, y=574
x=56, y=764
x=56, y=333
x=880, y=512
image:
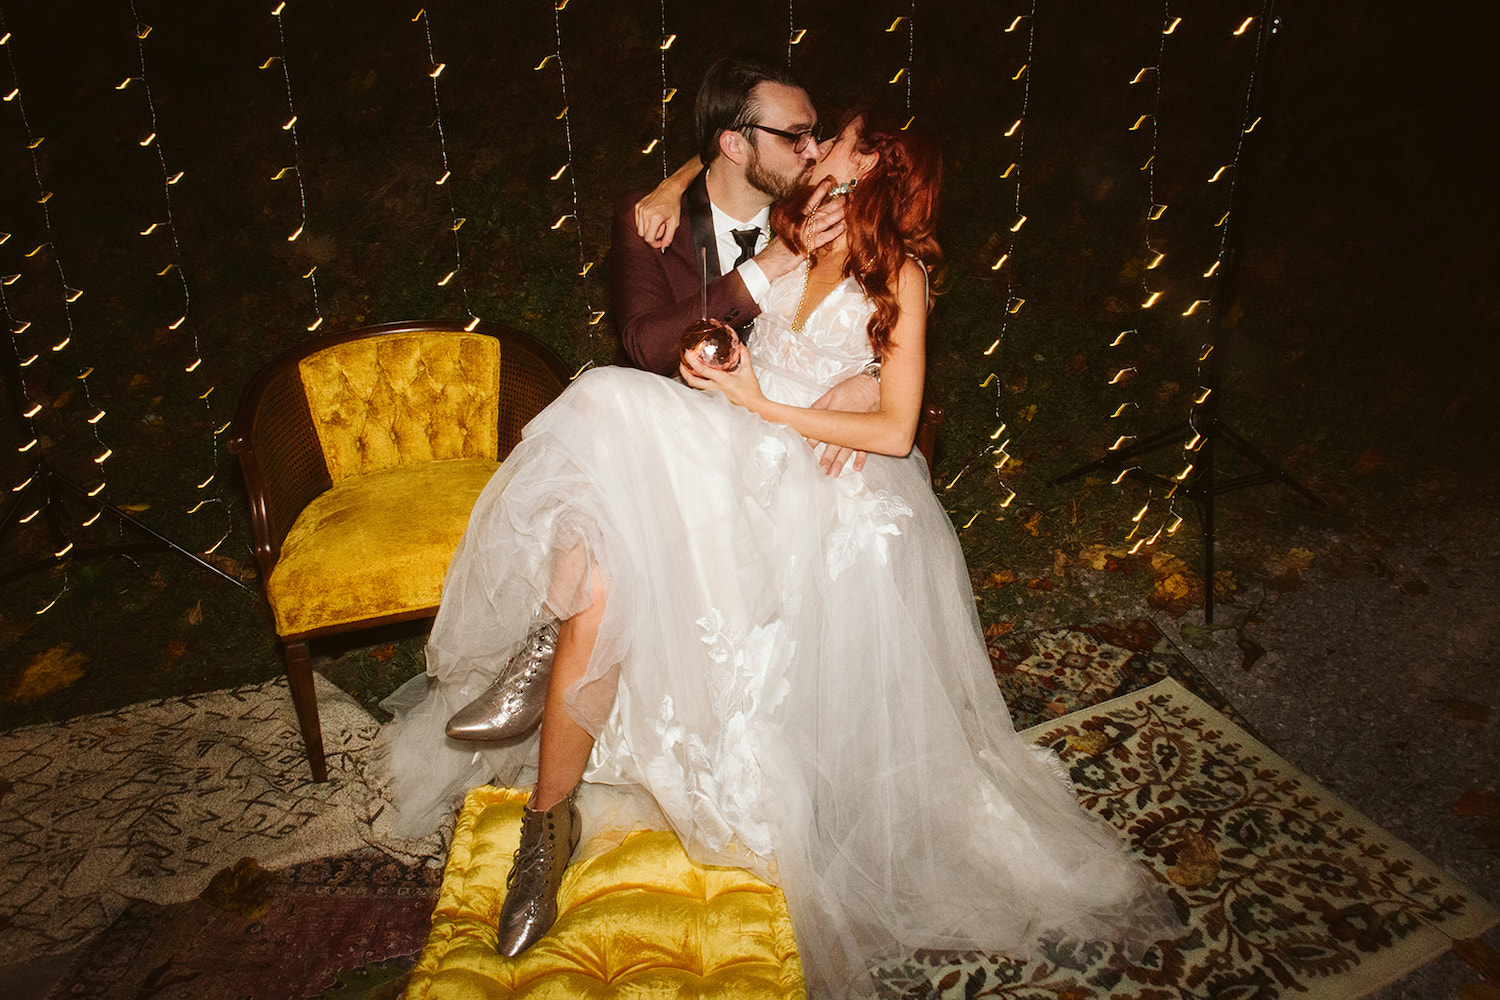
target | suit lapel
x=702, y=217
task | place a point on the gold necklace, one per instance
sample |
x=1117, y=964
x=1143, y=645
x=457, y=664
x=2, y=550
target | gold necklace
x=802, y=300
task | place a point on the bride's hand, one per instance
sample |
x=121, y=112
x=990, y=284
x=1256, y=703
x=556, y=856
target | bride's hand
x=740, y=385
x=656, y=217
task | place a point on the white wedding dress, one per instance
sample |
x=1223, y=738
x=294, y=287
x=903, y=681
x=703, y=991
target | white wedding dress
x=789, y=664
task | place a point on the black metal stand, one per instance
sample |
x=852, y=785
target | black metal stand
x=45, y=491
x=1203, y=483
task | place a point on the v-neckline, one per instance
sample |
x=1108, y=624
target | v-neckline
x=802, y=299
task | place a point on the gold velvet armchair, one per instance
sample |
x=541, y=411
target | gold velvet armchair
x=363, y=454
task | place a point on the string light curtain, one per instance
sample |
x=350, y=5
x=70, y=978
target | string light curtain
x=39, y=349
x=568, y=171
x=456, y=221
x=997, y=453
x=174, y=269
x=289, y=126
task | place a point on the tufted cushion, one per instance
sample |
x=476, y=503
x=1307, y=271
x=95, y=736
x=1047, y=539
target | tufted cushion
x=420, y=397
x=377, y=544
x=638, y=920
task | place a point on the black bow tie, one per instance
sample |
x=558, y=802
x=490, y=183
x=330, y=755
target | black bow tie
x=746, y=238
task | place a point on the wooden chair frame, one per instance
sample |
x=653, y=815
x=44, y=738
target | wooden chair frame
x=284, y=468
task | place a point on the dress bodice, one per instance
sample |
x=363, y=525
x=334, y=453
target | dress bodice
x=797, y=366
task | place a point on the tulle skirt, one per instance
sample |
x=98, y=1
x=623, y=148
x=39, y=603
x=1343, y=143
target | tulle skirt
x=790, y=669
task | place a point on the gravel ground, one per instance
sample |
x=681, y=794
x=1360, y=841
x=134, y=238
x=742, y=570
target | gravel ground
x=1380, y=681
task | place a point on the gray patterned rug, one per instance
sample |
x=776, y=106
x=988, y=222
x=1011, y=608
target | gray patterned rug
x=150, y=801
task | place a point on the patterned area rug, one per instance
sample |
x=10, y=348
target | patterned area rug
x=332, y=925
x=149, y=802
x=1289, y=891
x=1284, y=889
x=1046, y=674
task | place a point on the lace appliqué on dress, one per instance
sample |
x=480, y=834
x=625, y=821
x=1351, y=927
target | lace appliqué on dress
x=718, y=772
x=867, y=518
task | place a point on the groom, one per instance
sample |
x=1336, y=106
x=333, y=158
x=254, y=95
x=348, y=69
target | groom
x=757, y=137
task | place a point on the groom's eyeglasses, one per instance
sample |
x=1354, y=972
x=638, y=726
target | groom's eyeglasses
x=799, y=140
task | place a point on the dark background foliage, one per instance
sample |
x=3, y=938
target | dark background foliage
x=1356, y=337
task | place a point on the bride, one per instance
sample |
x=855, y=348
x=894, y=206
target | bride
x=786, y=664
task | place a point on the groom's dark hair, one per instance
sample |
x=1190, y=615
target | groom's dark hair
x=726, y=100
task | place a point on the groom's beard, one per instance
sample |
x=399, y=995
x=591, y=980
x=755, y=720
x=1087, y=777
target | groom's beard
x=775, y=186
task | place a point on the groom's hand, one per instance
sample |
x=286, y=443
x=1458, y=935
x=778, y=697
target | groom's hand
x=859, y=394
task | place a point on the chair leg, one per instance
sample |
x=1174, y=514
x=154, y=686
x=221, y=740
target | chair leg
x=305, y=698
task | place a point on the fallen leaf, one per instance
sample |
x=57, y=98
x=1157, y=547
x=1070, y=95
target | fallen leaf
x=231, y=567
x=157, y=581
x=1033, y=524
x=1482, y=959
x=1477, y=802
x=1092, y=742
x=1371, y=461
x=1167, y=563
x=244, y=888
x=1042, y=583
x=1225, y=585
x=1175, y=593
x=195, y=614
x=135, y=508
x=1197, y=862
x=999, y=629
x=1003, y=577
x=1028, y=413
x=1196, y=634
x=1465, y=711
x=1059, y=563
x=1286, y=581
x=383, y=654
x=176, y=648
x=47, y=672
x=1298, y=558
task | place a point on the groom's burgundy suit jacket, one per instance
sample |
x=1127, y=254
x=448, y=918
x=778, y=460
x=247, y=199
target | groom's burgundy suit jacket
x=656, y=293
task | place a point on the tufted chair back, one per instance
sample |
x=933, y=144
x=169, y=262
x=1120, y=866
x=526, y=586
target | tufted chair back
x=380, y=402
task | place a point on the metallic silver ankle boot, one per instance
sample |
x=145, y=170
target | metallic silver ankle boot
x=512, y=706
x=548, y=840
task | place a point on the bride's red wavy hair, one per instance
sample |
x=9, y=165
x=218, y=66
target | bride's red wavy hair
x=890, y=214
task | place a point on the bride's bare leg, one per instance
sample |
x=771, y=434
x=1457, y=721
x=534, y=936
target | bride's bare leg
x=550, y=823
x=565, y=745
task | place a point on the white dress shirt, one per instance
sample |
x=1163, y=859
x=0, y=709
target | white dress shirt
x=724, y=226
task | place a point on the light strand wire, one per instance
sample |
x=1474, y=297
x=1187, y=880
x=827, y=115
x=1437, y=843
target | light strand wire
x=996, y=450
x=585, y=265
x=204, y=387
x=69, y=296
x=456, y=221
x=296, y=169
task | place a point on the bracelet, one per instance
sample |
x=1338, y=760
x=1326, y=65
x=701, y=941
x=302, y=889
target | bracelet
x=872, y=369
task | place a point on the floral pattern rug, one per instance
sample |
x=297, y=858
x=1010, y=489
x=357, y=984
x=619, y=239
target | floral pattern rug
x=1048, y=673
x=1284, y=890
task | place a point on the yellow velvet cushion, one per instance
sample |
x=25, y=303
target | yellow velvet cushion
x=418, y=397
x=374, y=545
x=639, y=920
